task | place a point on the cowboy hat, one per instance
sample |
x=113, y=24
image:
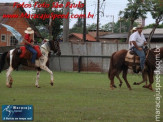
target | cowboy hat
x=29, y=30
x=139, y=26
x=134, y=29
x=46, y=40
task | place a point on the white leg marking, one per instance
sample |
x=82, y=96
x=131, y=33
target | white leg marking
x=37, y=79
x=49, y=71
x=8, y=75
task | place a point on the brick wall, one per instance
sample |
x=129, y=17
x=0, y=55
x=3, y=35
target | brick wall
x=20, y=24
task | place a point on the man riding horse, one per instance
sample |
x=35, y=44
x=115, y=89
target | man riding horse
x=29, y=44
x=138, y=42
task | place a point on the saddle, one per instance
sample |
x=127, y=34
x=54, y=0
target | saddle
x=133, y=60
x=26, y=54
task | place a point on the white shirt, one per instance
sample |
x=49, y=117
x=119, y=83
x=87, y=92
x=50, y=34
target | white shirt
x=138, y=38
x=131, y=44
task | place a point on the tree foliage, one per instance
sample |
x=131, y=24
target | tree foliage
x=55, y=25
x=134, y=10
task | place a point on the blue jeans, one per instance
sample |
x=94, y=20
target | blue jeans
x=33, y=51
x=141, y=54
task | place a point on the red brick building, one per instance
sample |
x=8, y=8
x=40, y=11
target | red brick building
x=20, y=24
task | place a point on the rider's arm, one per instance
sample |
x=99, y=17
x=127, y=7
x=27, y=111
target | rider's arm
x=27, y=42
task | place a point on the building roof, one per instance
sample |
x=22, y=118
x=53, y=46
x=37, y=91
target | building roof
x=114, y=35
x=7, y=8
x=80, y=36
x=157, y=31
x=146, y=32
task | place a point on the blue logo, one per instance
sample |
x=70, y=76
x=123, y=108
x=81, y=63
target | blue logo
x=17, y=112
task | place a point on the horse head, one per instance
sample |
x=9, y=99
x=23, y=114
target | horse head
x=55, y=47
x=161, y=53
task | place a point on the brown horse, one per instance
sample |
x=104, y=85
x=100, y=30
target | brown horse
x=118, y=65
x=14, y=60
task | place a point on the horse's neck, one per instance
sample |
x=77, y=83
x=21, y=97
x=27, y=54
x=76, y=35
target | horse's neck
x=46, y=47
x=161, y=53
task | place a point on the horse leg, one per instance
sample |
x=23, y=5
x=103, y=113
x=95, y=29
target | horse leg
x=119, y=80
x=50, y=72
x=151, y=80
x=37, y=79
x=144, y=77
x=111, y=77
x=125, y=77
x=8, y=75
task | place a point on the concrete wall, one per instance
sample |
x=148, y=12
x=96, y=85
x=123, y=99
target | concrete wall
x=95, y=56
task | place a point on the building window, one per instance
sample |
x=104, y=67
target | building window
x=13, y=41
x=3, y=37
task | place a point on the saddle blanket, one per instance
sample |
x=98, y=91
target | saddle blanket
x=24, y=51
x=130, y=58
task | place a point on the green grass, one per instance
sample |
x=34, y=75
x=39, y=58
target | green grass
x=84, y=97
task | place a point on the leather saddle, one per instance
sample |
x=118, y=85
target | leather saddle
x=26, y=54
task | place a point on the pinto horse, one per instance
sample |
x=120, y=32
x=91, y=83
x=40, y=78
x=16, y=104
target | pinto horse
x=14, y=60
x=118, y=65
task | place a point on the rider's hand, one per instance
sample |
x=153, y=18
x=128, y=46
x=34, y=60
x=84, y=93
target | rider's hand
x=145, y=43
x=140, y=48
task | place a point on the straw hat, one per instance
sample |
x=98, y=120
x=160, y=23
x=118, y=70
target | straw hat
x=139, y=26
x=29, y=30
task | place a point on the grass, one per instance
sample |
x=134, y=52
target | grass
x=84, y=97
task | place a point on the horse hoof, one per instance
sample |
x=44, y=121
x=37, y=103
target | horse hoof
x=37, y=86
x=135, y=83
x=114, y=86
x=145, y=86
x=51, y=83
x=8, y=85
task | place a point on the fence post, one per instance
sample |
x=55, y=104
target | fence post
x=79, y=64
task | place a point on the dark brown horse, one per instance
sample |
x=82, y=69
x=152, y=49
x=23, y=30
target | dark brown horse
x=118, y=65
x=14, y=60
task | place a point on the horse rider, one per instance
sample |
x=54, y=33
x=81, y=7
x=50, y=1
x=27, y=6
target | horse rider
x=29, y=44
x=134, y=29
x=138, y=41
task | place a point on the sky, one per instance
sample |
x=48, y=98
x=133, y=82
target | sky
x=108, y=9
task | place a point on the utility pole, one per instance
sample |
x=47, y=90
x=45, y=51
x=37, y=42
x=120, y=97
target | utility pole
x=65, y=23
x=98, y=12
x=120, y=22
x=84, y=27
x=112, y=22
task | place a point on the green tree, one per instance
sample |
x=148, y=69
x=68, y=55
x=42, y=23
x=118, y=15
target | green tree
x=93, y=26
x=54, y=26
x=156, y=9
x=120, y=26
x=134, y=10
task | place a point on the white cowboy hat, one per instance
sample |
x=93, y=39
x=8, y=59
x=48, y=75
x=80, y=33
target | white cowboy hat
x=46, y=40
x=29, y=30
x=139, y=26
x=134, y=29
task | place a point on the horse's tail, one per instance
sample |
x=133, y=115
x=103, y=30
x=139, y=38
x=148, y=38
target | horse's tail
x=2, y=60
x=111, y=65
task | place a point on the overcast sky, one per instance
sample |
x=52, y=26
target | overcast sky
x=107, y=8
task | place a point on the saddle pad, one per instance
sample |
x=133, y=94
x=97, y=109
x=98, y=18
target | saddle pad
x=130, y=58
x=23, y=51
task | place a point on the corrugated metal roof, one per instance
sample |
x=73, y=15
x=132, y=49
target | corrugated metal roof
x=157, y=31
x=114, y=35
x=124, y=36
